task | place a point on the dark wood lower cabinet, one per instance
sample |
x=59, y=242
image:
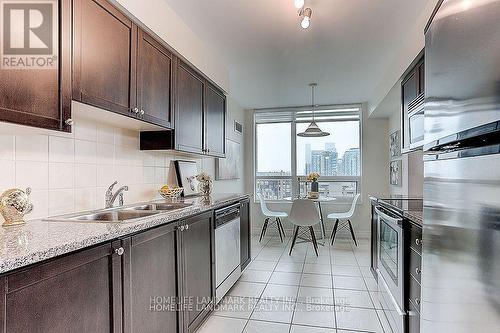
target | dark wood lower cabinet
x=198, y=275
x=245, y=230
x=150, y=281
x=76, y=293
x=158, y=280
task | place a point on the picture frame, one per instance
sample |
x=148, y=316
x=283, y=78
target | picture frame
x=186, y=172
x=395, y=144
x=229, y=168
x=396, y=173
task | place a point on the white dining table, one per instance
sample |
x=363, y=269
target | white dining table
x=321, y=219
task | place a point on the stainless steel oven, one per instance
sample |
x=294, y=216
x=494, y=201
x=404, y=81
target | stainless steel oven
x=390, y=266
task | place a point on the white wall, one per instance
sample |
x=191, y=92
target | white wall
x=71, y=172
x=413, y=43
x=375, y=176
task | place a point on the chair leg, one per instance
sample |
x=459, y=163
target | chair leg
x=279, y=229
x=295, y=234
x=313, y=238
x=281, y=226
x=334, y=231
x=352, y=232
x=264, y=227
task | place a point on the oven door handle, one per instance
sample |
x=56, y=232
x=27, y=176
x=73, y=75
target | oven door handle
x=393, y=220
x=386, y=287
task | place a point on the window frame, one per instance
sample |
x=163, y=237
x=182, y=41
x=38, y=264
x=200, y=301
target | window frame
x=294, y=177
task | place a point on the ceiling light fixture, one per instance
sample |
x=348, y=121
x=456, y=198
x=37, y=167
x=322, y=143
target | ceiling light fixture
x=313, y=129
x=305, y=14
x=299, y=3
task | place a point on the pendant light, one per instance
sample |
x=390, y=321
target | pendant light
x=313, y=130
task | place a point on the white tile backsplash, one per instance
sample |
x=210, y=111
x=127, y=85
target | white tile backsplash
x=32, y=148
x=32, y=174
x=61, y=175
x=7, y=147
x=85, y=151
x=61, y=149
x=70, y=172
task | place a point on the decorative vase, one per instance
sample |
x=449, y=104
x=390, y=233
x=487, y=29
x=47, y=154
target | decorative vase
x=314, y=186
x=205, y=187
x=14, y=204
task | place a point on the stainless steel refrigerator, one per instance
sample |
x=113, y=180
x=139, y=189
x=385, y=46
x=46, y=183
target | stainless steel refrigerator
x=461, y=236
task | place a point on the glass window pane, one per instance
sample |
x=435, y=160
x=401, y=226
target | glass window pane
x=274, y=189
x=335, y=155
x=274, y=149
x=331, y=189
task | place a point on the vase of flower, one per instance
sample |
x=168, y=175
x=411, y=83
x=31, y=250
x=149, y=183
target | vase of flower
x=204, y=184
x=313, y=178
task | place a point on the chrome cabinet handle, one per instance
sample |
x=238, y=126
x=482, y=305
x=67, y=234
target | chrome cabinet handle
x=119, y=251
x=187, y=226
x=69, y=122
x=142, y=112
x=418, y=270
x=417, y=301
x=181, y=228
x=418, y=242
x=135, y=110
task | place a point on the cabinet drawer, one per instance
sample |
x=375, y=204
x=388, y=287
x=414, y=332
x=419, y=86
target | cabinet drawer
x=415, y=293
x=416, y=238
x=413, y=320
x=415, y=265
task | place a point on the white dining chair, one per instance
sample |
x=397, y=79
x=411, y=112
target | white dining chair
x=346, y=216
x=269, y=214
x=304, y=214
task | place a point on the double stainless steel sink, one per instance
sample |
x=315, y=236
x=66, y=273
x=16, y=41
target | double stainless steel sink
x=122, y=214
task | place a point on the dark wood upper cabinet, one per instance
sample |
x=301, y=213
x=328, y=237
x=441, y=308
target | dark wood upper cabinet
x=77, y=293
x=155, y=81
x=245, y=233
x=215, y=121
x=197, y=261
x=189, y=110
x=150, y=281
x=104, y=56
x=41, y=97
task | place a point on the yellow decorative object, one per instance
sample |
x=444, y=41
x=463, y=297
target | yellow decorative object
x=14, y=204
x=170, y=193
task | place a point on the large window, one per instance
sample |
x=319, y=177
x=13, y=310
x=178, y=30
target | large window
x=283, y=160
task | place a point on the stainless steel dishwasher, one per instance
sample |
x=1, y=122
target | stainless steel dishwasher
x=227, y=249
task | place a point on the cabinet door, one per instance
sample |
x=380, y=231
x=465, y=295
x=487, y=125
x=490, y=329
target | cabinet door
x=154, y=81
x=198, y=286
x=77, y=293
x=150, y=281
x=104, y=56
x=40, y=96
x=215, y=121
x=245, y=230
x=409, y=91
x=189, y=110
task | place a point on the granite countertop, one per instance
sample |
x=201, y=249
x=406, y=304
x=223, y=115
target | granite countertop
x=40, y=240
x=414, y=216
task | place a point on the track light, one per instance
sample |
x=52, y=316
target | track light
x=299, y=3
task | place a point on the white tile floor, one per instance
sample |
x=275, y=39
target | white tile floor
x=301, y=293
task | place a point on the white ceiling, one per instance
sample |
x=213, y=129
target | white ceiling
x=271, y=60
